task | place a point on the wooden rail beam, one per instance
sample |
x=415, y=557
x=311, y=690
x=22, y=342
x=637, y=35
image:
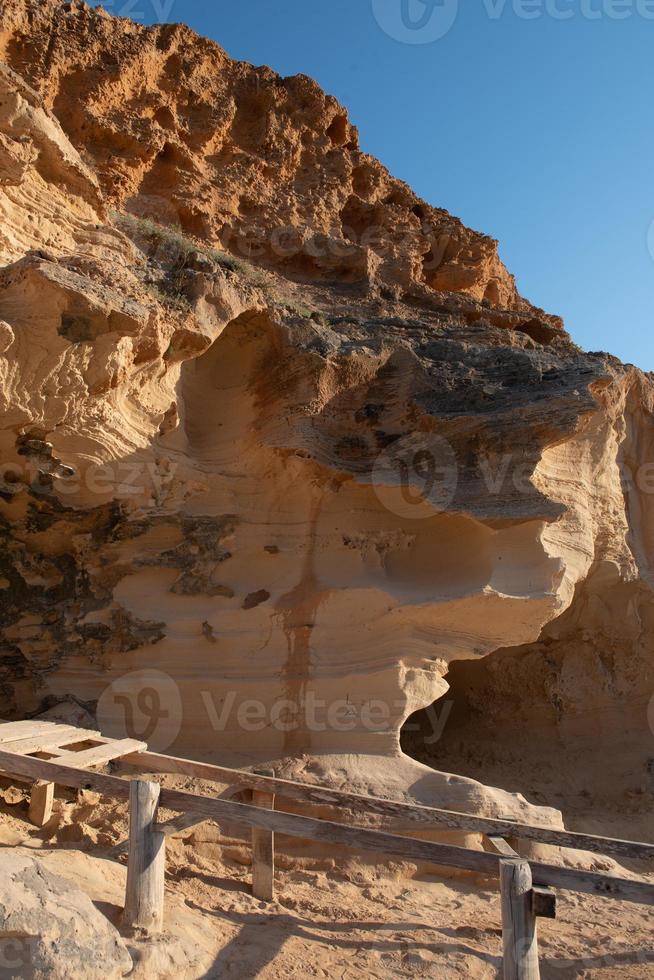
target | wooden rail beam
x=185, y=821
x=571, y=879
x=447, y=855
x=502, y=847
x=28, y=767
x=411, y=812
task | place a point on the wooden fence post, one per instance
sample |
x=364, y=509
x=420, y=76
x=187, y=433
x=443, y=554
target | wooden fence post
x=263, y=847
x=519, y=935
x=41, y=802
x=144, y=900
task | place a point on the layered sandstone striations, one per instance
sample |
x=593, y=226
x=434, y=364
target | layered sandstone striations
x=273, y=428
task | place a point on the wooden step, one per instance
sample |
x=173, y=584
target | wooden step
x=100, y=754
x=62, y=735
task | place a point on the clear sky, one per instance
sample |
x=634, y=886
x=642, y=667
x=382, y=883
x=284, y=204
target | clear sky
x=529, y=119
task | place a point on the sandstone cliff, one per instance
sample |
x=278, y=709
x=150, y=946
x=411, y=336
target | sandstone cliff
x=279, y=441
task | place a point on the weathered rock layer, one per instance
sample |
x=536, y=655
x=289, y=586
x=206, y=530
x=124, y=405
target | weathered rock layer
x=257, y=508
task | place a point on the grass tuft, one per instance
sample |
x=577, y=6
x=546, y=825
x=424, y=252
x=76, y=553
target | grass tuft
x=173, y=249
x=176, y=252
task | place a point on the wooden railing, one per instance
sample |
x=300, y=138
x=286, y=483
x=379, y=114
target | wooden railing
x=525, y=885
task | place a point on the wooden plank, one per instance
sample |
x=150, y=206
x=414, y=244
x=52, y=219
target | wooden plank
x=13, y=777
x=588, y=882
x=502, y=847
x=447, y=855
x=101, y=754
x=414, y=813
x=144, y=898
x=186, y=821
x=28, y=767
x=13, y=730
x=519, y=936
x=64, y=734
x=335, y=833
x=41, y=802
x=263, y=848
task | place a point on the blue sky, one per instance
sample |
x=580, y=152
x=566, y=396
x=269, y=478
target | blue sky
x=529, y=119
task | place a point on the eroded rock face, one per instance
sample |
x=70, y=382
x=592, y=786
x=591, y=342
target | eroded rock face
x=255, y=511
x=269, y=166
x=50, y=929
x=584, y=690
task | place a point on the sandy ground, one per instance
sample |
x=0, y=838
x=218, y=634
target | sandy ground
x=356, y=921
